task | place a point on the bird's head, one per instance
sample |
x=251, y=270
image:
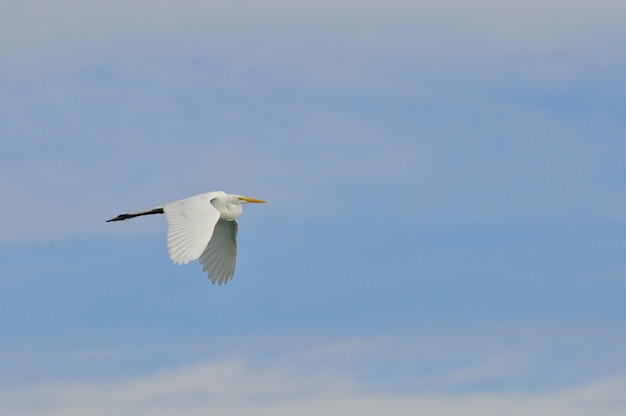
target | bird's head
x=229, y=205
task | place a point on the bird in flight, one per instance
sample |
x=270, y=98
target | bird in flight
x=202, y=227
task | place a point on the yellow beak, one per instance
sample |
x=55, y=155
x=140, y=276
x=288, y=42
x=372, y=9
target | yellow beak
x=258, y=201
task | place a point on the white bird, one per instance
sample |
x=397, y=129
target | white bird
x=205, y=227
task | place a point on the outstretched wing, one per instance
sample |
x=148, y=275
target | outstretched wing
x=219, y=256
x=190, y=226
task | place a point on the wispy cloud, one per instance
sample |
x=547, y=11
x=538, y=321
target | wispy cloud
x=500, y=366
x=469, y=371
x=234, y=387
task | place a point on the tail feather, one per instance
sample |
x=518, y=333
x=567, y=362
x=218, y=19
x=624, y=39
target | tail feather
x=121, y=217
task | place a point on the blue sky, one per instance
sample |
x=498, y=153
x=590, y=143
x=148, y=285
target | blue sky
x=445, y=225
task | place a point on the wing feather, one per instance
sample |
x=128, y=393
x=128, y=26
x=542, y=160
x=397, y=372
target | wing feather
x=190, y=226
x=220, y=254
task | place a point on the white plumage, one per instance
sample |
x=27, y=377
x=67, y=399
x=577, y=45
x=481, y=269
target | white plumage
x=202, y=227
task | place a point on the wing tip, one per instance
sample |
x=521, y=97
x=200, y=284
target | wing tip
x=223, y=279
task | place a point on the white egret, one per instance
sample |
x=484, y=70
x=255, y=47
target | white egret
x=202, y=227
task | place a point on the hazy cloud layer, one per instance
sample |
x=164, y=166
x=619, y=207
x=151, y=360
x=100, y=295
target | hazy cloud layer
x=229, y=389
x=293, y=385
x=509, y=111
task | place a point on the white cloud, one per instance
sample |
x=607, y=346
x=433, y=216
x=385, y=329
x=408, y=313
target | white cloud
x=234, y=387
x=510, y=370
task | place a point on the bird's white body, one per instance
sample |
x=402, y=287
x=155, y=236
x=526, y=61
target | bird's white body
x=202, y=227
